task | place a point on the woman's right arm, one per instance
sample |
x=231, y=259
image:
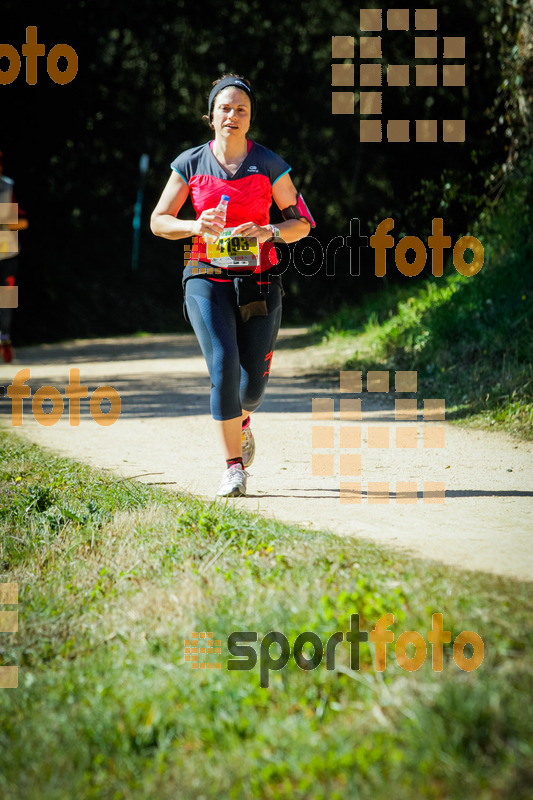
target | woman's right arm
x=165, y=223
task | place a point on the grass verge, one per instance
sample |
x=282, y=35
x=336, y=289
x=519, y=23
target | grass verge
x=113, y=576
x=470, y=339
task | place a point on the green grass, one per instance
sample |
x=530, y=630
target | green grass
x=470, y=339
x=114, y=576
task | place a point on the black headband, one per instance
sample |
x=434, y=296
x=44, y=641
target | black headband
x=240, y=84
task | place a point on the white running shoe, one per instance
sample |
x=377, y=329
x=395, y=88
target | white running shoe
x=248, y=446
x=233, y=482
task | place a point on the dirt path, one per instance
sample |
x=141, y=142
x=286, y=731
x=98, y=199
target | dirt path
x=485, y=522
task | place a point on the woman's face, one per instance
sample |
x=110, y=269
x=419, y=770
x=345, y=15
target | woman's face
x=231, y=113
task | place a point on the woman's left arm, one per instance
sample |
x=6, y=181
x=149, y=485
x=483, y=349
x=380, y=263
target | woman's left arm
x=284, y=194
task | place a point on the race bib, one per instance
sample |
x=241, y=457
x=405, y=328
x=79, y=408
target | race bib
x=233, y=251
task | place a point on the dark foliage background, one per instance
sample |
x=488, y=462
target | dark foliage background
x=144, y=76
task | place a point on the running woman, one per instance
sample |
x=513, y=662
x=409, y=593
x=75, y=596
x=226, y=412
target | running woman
x=235, y=310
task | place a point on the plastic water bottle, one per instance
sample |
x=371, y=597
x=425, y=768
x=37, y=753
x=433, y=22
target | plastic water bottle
x=222, y=208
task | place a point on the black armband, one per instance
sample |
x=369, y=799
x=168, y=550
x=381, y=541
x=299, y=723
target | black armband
x=299, y=211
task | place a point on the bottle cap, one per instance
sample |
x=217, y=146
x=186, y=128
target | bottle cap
x=225, y=197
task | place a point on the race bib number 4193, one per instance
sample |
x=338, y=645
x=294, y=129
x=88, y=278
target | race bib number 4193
x=233, y=251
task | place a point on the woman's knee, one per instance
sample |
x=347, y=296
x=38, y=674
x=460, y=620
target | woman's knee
x=252, y=395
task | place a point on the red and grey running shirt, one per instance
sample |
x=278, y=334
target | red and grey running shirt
x=249, y=190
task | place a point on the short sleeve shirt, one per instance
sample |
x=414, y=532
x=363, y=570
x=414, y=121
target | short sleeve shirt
x=249, y=189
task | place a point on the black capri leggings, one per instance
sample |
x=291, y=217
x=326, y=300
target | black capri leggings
x=238, y=354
